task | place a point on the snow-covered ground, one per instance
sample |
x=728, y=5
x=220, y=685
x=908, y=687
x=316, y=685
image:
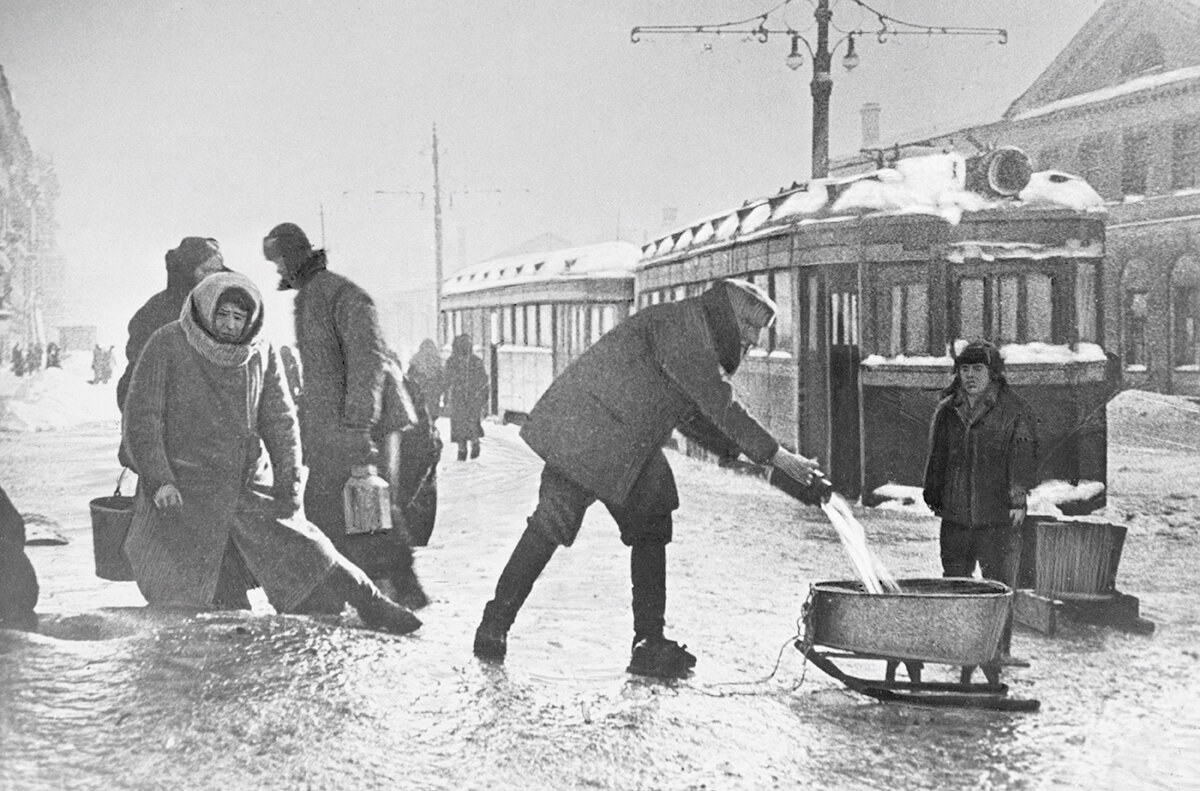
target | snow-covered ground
x=56, y=398
x=111, y=695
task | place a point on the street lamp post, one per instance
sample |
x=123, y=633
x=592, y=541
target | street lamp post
x=821, y=86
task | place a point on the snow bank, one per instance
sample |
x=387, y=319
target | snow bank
x=1012, y=353
x=908, y=499
x=56, y=398
x=1047, y=497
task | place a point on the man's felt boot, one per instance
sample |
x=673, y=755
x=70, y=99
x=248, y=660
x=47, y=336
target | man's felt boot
x=524, y=566
x=660, y=658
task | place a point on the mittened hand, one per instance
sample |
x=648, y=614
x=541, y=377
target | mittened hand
x=168, y=499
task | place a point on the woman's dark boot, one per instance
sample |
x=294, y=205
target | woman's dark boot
x=474, y=449
x=462, y=451
x=376, y=610
x=528, y=559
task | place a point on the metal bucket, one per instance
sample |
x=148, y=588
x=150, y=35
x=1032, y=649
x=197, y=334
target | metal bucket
x=951, y=621
x=111, y=517
x=1076, y=560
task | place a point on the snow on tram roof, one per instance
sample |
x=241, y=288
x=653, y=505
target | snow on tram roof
x=933, y=185
x=601, y=260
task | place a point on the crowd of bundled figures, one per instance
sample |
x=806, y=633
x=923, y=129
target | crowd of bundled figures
x=245, y=453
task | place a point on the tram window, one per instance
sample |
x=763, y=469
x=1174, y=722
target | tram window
x=785, y=327
x=608, y=318
x=908, y=320
x=1007, y=306
x=519, y=325
x=1085, y=302
x=970, y=308
x=507, y=333
x=814, y=314
x=594, y=325
x=494, y=325
x=680, y=293
x=545, y=325
x=655, y=297
x=1039, y=308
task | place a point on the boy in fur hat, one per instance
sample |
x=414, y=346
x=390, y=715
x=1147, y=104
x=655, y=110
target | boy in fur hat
x=982, y=464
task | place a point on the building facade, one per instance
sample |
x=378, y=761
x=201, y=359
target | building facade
x=1120, y=107
x=31, y=267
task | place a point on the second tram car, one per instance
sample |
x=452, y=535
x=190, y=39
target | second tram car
x=532, y=314
x=879, y=278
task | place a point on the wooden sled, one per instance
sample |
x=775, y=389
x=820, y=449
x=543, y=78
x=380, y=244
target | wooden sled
x=925, y=693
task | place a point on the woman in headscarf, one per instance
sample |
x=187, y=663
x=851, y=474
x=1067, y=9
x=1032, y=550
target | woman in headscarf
x=205, y=398
x=466, y=396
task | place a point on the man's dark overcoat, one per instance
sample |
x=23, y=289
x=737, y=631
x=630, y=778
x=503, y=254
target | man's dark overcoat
x=609, y=413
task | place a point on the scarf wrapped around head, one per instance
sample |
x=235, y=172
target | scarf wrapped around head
x=199, y=313
x=725, y=303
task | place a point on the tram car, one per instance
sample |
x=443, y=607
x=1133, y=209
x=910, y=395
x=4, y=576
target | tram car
x=530, y=315
x=880, y=277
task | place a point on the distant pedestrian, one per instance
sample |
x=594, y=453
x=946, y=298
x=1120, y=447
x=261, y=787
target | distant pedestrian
x=109, y=362
x=53, y=356
x=428, y=373
x=33, y=359
x=18, y=360
x=97, y=364
x=982, y=464
x=187, y=264
x=347, y=374
x=206, y=399
x=18, y=581
x=466, y=396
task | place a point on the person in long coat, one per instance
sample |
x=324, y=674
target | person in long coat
x=18, y=581
x=600, y=427
x=347, y=378
x=466, y=396
x=427, y=372
x=982, y=464
x=187, y=265
x=206, y=397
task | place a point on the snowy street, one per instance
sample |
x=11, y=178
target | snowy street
x=111, y=695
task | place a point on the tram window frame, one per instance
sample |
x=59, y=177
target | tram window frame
x=900, y=326
x=1041, y=323
x=1087, y=309
x=1185, y=155
x=545, y=322
x=783, y=331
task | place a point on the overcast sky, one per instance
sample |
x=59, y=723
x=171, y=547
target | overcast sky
x=224, y=117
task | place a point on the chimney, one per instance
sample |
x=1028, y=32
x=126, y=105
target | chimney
x=870, y=125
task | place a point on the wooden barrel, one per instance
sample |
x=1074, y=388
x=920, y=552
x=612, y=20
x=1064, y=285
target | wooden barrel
x=1076, y=560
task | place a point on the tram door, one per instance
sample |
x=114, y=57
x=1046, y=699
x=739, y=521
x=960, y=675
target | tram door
x=844, y=356
x=811, y=353
x=828, y=388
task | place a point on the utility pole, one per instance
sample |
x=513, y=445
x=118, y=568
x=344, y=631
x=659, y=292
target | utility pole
x=821, y=86
x=437, y=239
